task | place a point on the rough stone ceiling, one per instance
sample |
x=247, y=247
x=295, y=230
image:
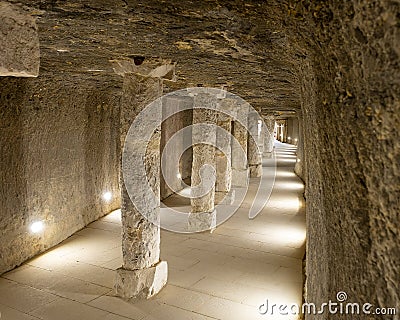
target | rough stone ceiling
x=238, y=44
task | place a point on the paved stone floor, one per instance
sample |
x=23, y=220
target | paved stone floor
x=225, y=275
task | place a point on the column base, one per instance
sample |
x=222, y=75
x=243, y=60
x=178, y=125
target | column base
x=141, y=284
x=222, y=197
x=202, y=221
x=240, y=177
x=255, y=170
x=267, y=155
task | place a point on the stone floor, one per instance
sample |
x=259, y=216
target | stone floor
x=225, y=275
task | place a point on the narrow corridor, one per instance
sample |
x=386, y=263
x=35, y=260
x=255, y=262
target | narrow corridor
x=225, y=275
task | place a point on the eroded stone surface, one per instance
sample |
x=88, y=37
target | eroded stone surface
x=240, y=171
x=225, y=197
x=60, y=155
x=19, y=42
x=203, y=154
x=142, y=283
x=140, y=237
x=269, y=126
x=175, y=171
x=335, y=61
x=254, y=156
x=223, y=154
x=202, y=221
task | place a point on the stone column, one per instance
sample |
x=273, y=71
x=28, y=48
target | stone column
x=240, y=171
x=269, y=126
x=224, y=194
x=175, y=115
x=142, y=274
x=300, y=168
x=254, y=155
x=203, y=215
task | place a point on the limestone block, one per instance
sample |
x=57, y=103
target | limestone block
x=19, y=43
x=253, y=151
x=224, y=173
x=140, y=237
x=267, y=155
x=203, y=174
x=202, y=221
x=223, y=154
x=269, y=126
x=150, y=67
x=255, y=170
x=225, y=197
x=240, y=177
x=142, y=283
x=240, y=133
x=201, y=179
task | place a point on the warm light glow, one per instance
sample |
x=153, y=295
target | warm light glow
x=287, y=160
x=107, y=196
x=179, y=176
x=37, y=226
x=287, y=156
x=285, y=203
x=289, y=185
x=114, y=216
x=285, y=174
x=298, y=160
x=289, y=236
x=289, y=138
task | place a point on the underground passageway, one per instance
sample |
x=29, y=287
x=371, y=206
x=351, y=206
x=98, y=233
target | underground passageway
x=131, y=130
x=229, y=272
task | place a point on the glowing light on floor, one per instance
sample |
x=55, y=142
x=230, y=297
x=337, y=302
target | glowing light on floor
x=291, y=235
x=37, y=227
x=290, y=185
x=287, y=156
x=284, y=235
x=287, y=204
x=114, y=216
x=287, y=160
x=107, y=196
x=285, y=174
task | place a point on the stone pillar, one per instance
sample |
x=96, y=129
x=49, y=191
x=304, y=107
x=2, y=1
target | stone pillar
x=261, y=137
x=254, y=155
x=19, y=43
x=203, y=215
x=240, y=171
x=300, y=168
x=176, y=115
x=142, y=274
x=224, y=194
x=269, y=127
